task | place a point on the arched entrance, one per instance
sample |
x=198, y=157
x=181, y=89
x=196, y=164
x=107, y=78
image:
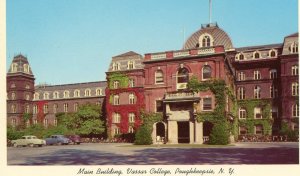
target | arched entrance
x=159, y=132
x=207, y=128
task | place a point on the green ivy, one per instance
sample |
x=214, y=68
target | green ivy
x=117, y=76
x=250, y=121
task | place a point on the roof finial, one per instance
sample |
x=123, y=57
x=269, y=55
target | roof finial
x=210, y=11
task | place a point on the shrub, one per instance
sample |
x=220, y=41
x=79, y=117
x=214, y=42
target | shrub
x=13, y=134
x=219, y=134
x=143, y=136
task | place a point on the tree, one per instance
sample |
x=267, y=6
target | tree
x=143, y=136
x=219, y=134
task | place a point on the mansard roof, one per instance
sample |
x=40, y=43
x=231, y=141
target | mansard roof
x=20, y=64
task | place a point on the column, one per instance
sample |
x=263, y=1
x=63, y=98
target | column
x=192, y=140
x=198, y=132
x=172, y=132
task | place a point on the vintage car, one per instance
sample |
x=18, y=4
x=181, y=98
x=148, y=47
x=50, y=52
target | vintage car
x=57, y=140
x=30, y=141
x=74, y=139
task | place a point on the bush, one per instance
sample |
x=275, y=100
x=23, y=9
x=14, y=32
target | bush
x=219, y=134
x=143, y=136
x=13, y=134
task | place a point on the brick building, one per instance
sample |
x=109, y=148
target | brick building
x=264, y=80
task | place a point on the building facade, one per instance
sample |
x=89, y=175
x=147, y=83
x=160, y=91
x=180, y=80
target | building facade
x=263, y=80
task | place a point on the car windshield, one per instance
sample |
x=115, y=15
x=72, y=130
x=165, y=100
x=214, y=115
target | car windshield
x=33, y=137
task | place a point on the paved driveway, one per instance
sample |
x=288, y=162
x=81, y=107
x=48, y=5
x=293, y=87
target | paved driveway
x=121, y=154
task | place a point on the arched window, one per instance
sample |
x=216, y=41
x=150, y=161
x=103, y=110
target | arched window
x=256, y=55
x=26, y=68
x=295, y=89
x=66, y=94
x=295, y=70
x=116, y=100
x=13, y=85
x=76, y=107
x=46, y=96
x=116, y=118
x=294, y=48
x=131, y=83
x=206, y=72
x=242, y=113
x=13, y=96
x=257, y=91
x=27, y=109
x=272, y=53
x=87, y=92
x=130, y=129
x=131, y=98
x=116, y=66
x=45, y=108
x=27, y=97
x=55, y=95
x=130, y=65
x=55, y=107
x=131, y=117
x=273, y=74
x=45, y=122
x=116, y=84
x=27, y=86
x=13, y=122
x=206, y=41
x=98, y=92
x=66, y=107
x=14, y=67
x=36, y=96
x=182, y=75
x=76, y=93
x=241, y=56
x=241, y=93
x=159, y=77
x=295, y=110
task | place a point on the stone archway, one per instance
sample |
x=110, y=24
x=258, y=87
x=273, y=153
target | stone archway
x=207, y=128
x=159, y=132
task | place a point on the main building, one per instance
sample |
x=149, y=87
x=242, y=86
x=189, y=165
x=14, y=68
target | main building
x=261, y=89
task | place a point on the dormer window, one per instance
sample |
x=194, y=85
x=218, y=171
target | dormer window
x=55, y=95
x=116, y=84
x=14, y=67
x=130, y=65
x=87, y=92
x=206, y=40
x=240, y=56
x=256, y=55
x=46, y=96
x=272, y=53
x=98, y=92
x=116, y=66
x=66, y=94
x=26, y=68
x=77, y=93
x=294, y=47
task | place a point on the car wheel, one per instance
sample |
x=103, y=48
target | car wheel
x=78, y=143
x=59, y=143
x=15, y=144
x=31, y=145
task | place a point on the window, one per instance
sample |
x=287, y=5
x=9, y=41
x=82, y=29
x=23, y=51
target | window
x=242, y=113
x=45, y=108
x=241, y=93
x=13, y=109
x=55, y=122
x=116, y=118
x=36, y=96
x=116, y=100
x=45, y=122
x=131, y=98
x=241, y=56
x=13, y=122
x=13, y=85
x=26, y=68
x=46, y=96
x=27, y=86
x=295, y=110
x=294, y=48
x=207, y=104
x=206, y=72
x=130, y=129
x=98, y=92
x=14, y=67
x=87, y=92
x=274, y=112
x=273, y=91
x=257, y=91
x=257, y=113
x=258, y=129
x=243, y=130
x=76, y=93
x=27, y=109
x=295, y=70
x=66, y=94
x=116, y=130
x=55, y=95
x=131, y=83
x=272, y=53
x=130, y=65
x=257, y=75
x=273, y=74
x=116, y=66
x=183, y=75
x=116, y=84
x=256, y=55
x=55, y=107
x=241, y=76
x=35, y=109
x=76, y=107
x=34, y=121
x=131, y=117
x=159, y=77
x=295, y=89
x=27, y=97
x=13, y=96
x=206, y=41
x=66, y=107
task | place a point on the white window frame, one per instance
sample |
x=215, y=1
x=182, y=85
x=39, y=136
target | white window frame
x=258, y=113
x=295, y=89
x=242, y=113
x=295, y=70
x=131, y=98
x=257, y=92
x=273, y=74
x=131, y=117
x=116, y=99
x=257, y=75
x=241, y=76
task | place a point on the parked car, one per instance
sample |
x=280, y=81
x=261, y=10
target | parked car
x=57, y=139
x=30, y=141
x=75, y=139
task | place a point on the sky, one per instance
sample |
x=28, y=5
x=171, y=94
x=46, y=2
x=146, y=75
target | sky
x=72, y=41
